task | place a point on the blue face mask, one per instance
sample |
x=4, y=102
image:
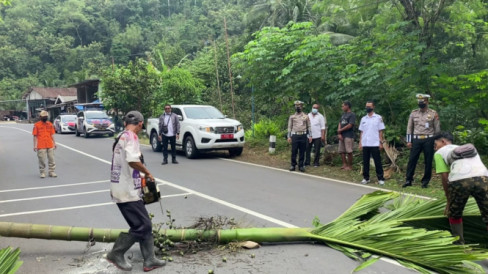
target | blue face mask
x=315, y=111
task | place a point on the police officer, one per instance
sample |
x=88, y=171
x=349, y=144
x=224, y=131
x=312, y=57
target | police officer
x=423, y=124
x=299, y=134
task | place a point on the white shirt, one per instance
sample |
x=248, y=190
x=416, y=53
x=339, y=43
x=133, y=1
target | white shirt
x=371, y=127
x=317, y=124
x=168, y=122
x=125, y=181
x=463, y=168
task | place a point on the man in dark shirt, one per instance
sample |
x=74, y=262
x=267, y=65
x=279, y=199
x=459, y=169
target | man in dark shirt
x=345, y=133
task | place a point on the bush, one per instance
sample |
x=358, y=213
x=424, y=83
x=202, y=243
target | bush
x=264, y=129
x=476, y=136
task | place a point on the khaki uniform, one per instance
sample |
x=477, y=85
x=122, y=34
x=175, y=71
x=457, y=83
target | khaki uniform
x=422, y=123
x=421, y=128
x=299, y=130
x=299, y=124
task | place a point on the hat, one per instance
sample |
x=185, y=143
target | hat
x=298, y=102
x=133, y=117
x=422, y=96
x=44, y=113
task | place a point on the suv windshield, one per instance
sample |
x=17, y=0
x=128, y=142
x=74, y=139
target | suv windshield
x=96, y=115
x=203, y=113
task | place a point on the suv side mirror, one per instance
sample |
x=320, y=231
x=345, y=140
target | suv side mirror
x=180, y=118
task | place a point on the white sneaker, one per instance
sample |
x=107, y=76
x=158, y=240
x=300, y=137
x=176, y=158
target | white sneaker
x=381, y=182
x=43, y=175
x=364, y=182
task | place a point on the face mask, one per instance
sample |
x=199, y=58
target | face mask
x=422, y=104
x=44, y=119
x=315, y=111
x=368, y=110
x=298, y=109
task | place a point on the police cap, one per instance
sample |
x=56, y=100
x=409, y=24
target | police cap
x=298, y=102
x=420, y=96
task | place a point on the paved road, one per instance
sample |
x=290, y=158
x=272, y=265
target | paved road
x=210, y=186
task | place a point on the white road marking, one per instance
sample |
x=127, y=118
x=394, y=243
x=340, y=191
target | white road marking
x=75, y=207
x=328, y=179
x=56, y=186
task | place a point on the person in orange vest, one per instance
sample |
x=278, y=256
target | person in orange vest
x=44, y=144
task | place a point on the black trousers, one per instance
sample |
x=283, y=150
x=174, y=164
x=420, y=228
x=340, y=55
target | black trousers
x=419, y=145
x=317, y=144
x=135, y=214
x=172, y=141
x=298, y=146
x=367, y=153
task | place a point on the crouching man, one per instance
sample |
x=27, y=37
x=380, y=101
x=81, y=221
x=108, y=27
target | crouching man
x=463, y=174
x=125, y=189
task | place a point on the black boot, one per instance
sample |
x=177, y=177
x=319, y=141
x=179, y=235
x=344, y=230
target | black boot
x=150, y=261
x=165, y=162
x=407, y=184
x=122, y=244
x=457, y=230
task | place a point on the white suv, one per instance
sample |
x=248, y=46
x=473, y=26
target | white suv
x=202, y=128
x=93, y=122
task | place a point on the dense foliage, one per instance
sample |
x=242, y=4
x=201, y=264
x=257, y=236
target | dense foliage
x=321, y=51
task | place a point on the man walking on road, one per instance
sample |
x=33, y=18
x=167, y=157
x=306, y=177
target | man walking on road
x=371, y=142
x=463, y=174
x=423, y=124
x=125, y=189
x=169, y=131
x=298, y=136
x=44, y=144
x=318, y=124
x=345, y=133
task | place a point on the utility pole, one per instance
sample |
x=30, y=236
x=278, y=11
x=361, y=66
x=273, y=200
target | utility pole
x=230, y=69
x=217, y=74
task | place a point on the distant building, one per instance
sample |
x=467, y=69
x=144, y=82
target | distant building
x=40, y=98
x=87, y=91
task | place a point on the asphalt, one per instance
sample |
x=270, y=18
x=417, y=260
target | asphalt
x=213, y=185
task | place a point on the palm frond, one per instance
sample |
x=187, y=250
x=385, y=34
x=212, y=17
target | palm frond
x=9, y=260
x=385, y=234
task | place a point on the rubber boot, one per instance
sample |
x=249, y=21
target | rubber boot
x=122, y=244
x=457, y=230
x=147, y=250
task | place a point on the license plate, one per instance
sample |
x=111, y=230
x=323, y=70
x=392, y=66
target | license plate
x=227, y=136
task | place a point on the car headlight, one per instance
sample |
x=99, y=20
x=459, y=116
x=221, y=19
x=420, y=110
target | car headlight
x=207, y=129
x=239, y=128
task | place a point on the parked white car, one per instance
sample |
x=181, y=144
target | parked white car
x=202, y=128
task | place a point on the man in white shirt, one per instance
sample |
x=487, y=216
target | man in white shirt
x=461, y=177
x=371, y=142
x=318, y=124
x=126, y=192
x=169, y=131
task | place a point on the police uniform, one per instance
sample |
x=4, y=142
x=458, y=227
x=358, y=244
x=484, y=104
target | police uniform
x=299, y=131
x=421, y=128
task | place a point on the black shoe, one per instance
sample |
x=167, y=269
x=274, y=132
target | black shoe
x=165, y=162
x=292, y=168
x=407, y=183
x=425, y=184
x=302, y=169
x=316, y=165
x=174, y=161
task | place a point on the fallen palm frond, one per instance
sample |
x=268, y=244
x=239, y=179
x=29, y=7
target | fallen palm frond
x=9, y=260
x=364, y=232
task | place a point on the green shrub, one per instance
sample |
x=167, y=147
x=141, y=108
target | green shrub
x=264, y=128
x=476, y=136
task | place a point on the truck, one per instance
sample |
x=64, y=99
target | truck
x=202, y=128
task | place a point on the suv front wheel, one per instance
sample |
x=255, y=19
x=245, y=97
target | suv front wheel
x=155, y=143
x=191, y=150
